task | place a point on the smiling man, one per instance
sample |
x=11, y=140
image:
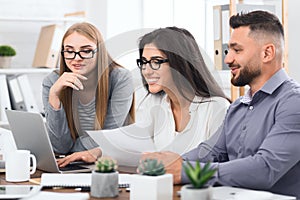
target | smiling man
x=257, y=146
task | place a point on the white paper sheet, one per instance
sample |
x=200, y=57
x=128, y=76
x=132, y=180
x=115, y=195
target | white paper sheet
x=124, y=144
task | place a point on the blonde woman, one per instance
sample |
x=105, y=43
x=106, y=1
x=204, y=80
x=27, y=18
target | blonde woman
x=90, y=92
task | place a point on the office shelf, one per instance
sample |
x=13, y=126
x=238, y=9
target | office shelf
x=11, y=71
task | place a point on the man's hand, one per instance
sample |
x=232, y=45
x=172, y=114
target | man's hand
x=172, y=162
x=89, y=156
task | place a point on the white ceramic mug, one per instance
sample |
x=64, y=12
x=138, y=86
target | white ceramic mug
x=17, y=165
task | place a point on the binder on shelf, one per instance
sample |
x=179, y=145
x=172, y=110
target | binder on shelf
x=21, y=95
x=29, y=100
x=16, y=97
x=4, y=98
x=48, y=46
x=221, y=35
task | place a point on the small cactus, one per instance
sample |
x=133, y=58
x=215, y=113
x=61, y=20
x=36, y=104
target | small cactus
x=106, y=165
x=151, y=167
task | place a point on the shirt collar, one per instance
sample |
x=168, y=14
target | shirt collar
x=275, y=81
x=269, y=87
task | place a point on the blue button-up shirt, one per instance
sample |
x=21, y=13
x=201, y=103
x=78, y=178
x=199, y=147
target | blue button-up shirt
x=258, y=145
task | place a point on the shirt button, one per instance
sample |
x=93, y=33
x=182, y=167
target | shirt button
x=250, y=107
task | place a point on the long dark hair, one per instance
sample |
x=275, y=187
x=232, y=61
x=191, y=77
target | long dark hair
x=189, y=69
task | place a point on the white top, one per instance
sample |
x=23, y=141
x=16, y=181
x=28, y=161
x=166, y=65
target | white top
x=154, y=114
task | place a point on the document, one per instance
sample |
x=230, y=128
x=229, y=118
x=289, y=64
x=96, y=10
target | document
x=124, y=144
x=4, y=98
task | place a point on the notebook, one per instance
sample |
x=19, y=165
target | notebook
x=77, y=180
x=30, y=133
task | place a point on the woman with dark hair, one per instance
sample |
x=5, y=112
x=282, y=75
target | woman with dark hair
x=184, y=104
x=90, y=92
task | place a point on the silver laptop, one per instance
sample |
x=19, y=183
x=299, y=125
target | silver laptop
x=29, y=132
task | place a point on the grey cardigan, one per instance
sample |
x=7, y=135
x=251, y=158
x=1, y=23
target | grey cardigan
x=121, y=91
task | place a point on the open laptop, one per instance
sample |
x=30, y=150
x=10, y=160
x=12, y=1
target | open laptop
x=30, y=133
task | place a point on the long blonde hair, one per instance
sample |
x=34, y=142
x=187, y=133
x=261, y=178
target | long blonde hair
x=105, y=64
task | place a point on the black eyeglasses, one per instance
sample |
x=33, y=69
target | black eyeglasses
x=83, y=54
x=153, y=62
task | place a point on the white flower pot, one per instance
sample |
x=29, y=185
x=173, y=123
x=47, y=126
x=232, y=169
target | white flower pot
x=105, y=185
x=5, y=61
x=151, y=187
x=188, y=192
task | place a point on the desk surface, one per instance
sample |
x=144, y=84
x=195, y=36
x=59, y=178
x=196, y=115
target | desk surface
x=123, y=195
x=219, y=193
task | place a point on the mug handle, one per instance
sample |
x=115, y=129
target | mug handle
x=33, y=164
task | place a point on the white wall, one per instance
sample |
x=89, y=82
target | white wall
x=293, y=37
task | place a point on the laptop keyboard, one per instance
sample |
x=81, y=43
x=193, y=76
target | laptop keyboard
x=71, y=167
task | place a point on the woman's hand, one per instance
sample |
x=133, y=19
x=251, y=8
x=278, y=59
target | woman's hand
x=89, y=156
x=67, y=79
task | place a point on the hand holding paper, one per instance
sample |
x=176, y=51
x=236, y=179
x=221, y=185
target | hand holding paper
x=124, y=144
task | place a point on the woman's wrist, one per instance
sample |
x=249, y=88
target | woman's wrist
x=96, y=153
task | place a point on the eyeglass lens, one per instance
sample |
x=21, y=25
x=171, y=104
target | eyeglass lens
x=84, y=54
x=154, y=63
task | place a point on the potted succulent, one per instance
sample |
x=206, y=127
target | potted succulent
x=152, y=182
x=199, y=177
x=6, y=54
x=105, y=178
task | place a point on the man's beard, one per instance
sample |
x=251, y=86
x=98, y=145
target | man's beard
x=245, y=76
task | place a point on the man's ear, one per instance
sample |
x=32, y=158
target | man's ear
x=269, y=52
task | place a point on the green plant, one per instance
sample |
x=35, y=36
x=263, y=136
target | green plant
x=6, y=50
x=151, y=167
x=106, y=165
x=197, y=175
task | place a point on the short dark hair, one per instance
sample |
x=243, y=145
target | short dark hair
x=258, y=21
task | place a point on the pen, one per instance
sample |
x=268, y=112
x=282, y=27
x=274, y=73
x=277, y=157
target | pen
x=82, y=189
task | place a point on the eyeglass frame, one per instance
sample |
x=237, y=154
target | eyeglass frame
x=78, y=53
x=145, y=62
